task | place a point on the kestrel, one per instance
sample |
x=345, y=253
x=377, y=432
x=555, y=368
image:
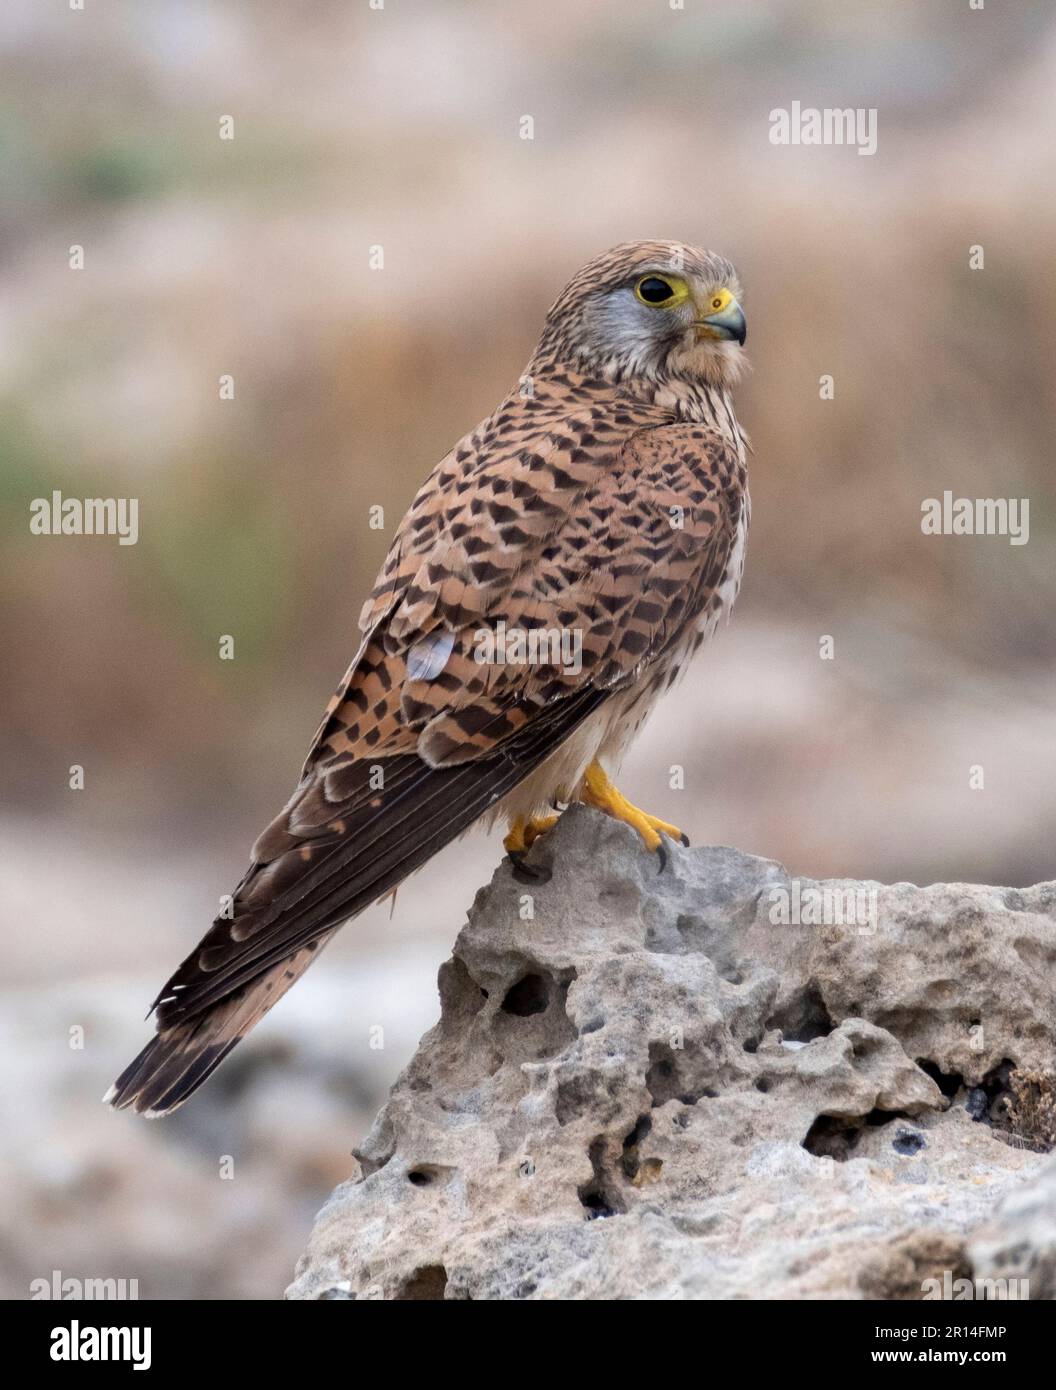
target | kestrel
x=551, y=579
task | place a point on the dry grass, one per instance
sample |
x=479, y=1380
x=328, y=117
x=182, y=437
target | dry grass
x=1026, y=1113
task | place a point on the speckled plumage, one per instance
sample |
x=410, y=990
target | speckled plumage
x=606, y=496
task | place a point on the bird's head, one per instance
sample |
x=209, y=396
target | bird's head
x=652, y=309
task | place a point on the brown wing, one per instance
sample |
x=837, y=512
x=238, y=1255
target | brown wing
x=615, y=529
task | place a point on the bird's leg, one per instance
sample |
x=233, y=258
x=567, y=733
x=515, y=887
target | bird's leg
x=524, y=831
x=598, y=791
x=538, y=825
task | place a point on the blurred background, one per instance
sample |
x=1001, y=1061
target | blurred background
x=399, y=128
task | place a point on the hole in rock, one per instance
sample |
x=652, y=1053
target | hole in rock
x=805, y=1016
x=426, y=1174
x=598, y=1195
x=662, y=1077
x=595, y=1203
x=629, y=1157
x=574, y=1096
x=528, y=996
x=948, y=1082
x=427, y=1282
x=1023, y=1112
x=985, y=1101
x=996, y=1082
x=835, y=1136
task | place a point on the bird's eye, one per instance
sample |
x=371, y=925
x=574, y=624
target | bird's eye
x=659, y=292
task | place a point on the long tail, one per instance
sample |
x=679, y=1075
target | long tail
x=339, y=845
x=179, y=1059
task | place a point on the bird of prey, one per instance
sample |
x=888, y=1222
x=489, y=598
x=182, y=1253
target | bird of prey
x=551, y=579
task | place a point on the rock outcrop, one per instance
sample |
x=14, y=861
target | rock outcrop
x=714, y=1081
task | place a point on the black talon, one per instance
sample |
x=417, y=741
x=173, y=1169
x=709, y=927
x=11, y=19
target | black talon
x=685, y=839
x=528, y=873
x=661, y=854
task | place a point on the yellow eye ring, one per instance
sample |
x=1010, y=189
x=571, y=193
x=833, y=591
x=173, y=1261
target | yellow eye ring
x=661, y=291
x=719, y=301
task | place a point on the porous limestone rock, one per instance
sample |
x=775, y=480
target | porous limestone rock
x=707, y=1081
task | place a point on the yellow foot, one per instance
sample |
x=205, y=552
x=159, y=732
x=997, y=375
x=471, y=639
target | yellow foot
x=524, y=833
x=598, y=791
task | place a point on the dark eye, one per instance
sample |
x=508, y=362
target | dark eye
x=653, y=290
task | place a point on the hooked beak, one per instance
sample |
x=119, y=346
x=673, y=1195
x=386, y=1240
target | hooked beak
x=727, y=324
